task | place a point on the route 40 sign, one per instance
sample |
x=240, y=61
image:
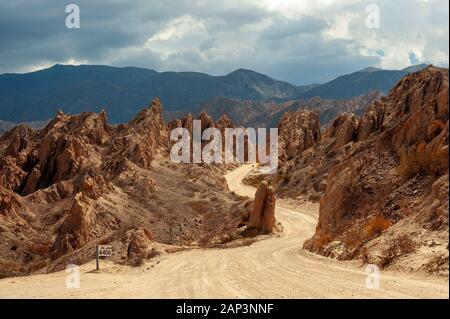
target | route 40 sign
x=104, y=250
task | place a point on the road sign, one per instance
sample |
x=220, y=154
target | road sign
x=102, y=251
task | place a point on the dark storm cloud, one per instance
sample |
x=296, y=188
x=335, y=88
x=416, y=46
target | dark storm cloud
x=35, y=32
x=300, y=42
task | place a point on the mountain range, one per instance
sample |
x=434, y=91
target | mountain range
x=122, y=91
x=361, y=82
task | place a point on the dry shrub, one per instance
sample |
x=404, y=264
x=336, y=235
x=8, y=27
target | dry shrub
x=153, y=253
x=315, y=197
x=352, y=239
x=401, y=246
x=409, y=165
x=139, y=260
x=374, y=226
x=405, y=245
x=355, y=238
x=205, y=240
x=285, y=181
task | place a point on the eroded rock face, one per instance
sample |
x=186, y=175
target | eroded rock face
x=374, y=203
x=149, y=134
x=371, y=121
x=373, y=175
x=248, y=113
x=206, y=121
x=343, y=129
x=307, y=155
x=224, y=122
x=298, y=131
x=9, y=203
x=71, y=144
x=77, y=229
x=81, y=181
x=139, y=243
x=262, y=217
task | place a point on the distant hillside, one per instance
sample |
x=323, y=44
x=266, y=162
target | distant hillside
x=361, y=82
x=123, y=91
x=268, y=114
x=5, y=126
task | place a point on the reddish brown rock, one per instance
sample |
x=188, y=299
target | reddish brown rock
x=80, y=182
x=371, y=121
x=77, y=229
x=389, y=195
x=306, y=156
x=187, y=123
x=139, y=242
x=148, y=135
x=268, y=220
x=262, y=217
x=298, y=131
x=343, y=129
x=10, y=203
x=224, y=122
x=93, y=185
x=11, y=175
x=206, y=121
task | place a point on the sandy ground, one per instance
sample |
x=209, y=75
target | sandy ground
x=271, y=268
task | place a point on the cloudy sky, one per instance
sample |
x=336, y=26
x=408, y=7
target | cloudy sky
x=299, y=41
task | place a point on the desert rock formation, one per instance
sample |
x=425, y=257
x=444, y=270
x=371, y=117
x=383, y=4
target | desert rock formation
x=386, y=193
x=80, y=181
x=382, y=179
x=298, y=131
x=262, y=217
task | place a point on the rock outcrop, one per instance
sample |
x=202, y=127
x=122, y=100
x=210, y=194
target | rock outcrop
x=81, y=181
x=378, y=198
x=206, y=121
x=308, y=153
x=382, y=179
x=343, y=130
x=262, y=217
x=298, y=131
x=139, y=244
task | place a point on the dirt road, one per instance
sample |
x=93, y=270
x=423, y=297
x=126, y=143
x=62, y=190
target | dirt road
x=271, y=268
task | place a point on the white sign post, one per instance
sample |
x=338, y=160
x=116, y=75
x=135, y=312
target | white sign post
x=103, y=251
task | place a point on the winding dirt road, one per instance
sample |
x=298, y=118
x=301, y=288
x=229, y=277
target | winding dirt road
x=271, y=268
